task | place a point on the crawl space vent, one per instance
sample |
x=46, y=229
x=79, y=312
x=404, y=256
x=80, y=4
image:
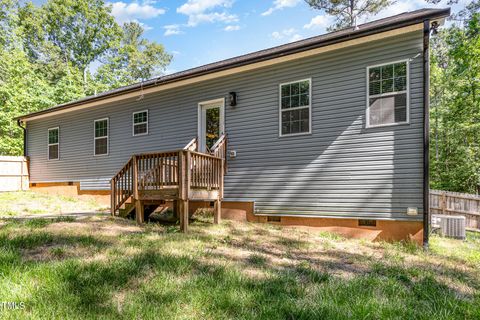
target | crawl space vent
x=367, y=223
x=274, y=219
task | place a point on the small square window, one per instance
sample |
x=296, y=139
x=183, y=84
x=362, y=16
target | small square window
x=140, y=123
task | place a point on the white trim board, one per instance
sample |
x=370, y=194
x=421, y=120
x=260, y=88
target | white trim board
x=202, y=106
x=252, y=66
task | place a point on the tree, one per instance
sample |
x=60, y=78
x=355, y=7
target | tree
x=76, y=31
x=455, y=105
x=136, y=59
x=47, y=52
x=348, y=12
x=22, y=88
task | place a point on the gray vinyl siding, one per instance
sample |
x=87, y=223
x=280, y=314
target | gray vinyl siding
x=340, y=169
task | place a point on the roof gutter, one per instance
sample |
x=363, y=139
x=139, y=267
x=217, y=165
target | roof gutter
x=19, y=123
x=287, y=51
x=426, y=133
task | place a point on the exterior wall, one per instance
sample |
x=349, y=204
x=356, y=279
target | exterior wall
x=342, y=169
x=72, y=190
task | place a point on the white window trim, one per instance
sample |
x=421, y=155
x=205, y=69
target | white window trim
x=53, y=144
x=280, y=135
x=107, y=136
x=134, y=124
x=407, y=92
x=209, y=104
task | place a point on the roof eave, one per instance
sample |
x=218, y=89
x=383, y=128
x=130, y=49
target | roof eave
x=437, y=14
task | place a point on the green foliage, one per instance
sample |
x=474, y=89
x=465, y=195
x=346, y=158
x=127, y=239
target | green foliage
x=47, y=53
x=455, y=107
x=347, y=12
x=136, y=59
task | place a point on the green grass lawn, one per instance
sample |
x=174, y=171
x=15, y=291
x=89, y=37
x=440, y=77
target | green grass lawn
x=30, y=203
x=112, y=269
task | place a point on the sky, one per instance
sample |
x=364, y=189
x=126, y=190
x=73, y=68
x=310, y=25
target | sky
x=197, y=32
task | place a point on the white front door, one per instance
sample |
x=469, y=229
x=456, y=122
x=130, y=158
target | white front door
x=211, y=123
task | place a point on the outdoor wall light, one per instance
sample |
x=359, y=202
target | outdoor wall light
x=233, y=98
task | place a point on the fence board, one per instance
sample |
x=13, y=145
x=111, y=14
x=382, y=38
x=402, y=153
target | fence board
x=13, y=173
x=455, y=203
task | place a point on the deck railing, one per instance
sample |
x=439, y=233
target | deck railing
x=205, y=171
x=155, y=172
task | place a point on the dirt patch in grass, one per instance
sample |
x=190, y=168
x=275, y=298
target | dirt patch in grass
x=31, y=203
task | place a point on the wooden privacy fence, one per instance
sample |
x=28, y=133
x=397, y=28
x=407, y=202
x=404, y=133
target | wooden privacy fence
x=13, y=173
x=455, y=203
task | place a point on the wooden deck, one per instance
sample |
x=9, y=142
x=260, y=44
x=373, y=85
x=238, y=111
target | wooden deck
x=180, y=176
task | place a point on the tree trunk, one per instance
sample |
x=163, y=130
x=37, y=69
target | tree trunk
x=85, y=79
x=352, y=15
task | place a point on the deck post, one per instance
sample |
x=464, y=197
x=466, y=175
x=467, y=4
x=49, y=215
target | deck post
x=135, y=178
x=217, y=214
x=222, y=177
x=188, y=173
x=183, y=208
x=139, y=211
x=112, y=198
x=139, y=214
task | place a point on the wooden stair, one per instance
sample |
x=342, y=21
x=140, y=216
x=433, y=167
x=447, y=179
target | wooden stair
x=129, y=207
x=146, y=181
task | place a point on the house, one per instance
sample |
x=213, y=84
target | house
x=329, y=131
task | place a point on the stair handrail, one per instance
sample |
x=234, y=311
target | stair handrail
x=219, y=149
x=119, y=198
x=192, y=145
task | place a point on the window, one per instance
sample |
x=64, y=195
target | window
x=387, y=94
x=140, y=123
x=295, y=107
x=101, y=137
x=53, y=144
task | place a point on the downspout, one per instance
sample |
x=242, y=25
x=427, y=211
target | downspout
x=426, y=133
x=19, y=123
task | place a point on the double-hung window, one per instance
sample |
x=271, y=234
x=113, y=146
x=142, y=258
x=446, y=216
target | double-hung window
x=140, y=123
x=387, y=94
x=101, y=137
x=53, y=144
x=295, y=107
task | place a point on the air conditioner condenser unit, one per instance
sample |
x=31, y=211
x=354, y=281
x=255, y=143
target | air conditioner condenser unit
x=449, y=226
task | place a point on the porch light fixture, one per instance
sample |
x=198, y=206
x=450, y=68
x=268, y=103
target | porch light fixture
x=232, y=96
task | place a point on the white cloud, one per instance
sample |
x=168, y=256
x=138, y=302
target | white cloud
x=196, y=19
x=232, y=28
x=296, y=37
x=125, y=12
x=318, y=22
x=289, y=34
x=276, y=35
x=397, y=8
x=169, y=71
x=172, y=29
x=145, y=27
x=200, y=11
x=280, y=4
